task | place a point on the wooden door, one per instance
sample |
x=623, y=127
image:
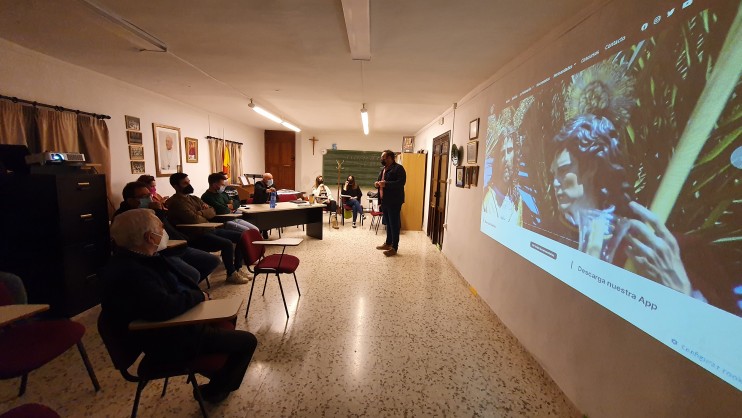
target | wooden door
x=438, y=188
x=414, y=191
x=280, y=157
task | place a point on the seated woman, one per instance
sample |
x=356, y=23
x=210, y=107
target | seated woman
x=354, y=201
x=152, y=186
x=323, y=194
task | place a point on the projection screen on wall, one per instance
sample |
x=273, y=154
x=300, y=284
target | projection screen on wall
x=614, y=162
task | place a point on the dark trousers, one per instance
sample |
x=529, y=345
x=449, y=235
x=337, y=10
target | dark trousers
x=393, y=222
x=216, y=242
x=239, y=347
x=202, y=261
x=355, y=206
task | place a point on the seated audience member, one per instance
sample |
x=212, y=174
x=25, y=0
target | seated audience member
x=350, y=188
x=217, y=198
x=263, y=189
x=188, y=209
x=193, y=262
x=152, y=186
x=323, y=194
x=138, y=283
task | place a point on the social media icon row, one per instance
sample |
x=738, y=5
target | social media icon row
x=658, y=18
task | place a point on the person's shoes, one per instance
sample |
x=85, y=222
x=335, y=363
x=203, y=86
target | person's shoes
x=335, y=223
x=354, y=224
x=390, y=252
x=208, y=396
x=245, y=275
x=384, y=247
x=235, y=278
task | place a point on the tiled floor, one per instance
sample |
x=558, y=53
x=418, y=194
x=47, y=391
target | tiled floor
x=370, y=336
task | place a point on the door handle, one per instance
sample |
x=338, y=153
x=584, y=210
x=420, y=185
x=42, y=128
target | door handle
x=86, y=217
x=81, y=185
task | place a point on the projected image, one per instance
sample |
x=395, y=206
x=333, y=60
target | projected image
x=628, y=161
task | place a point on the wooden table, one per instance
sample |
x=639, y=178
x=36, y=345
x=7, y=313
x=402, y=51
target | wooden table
x=12, y=313
x=286, y=214
x=206, y=311
x=175, y=243
x=287, y=242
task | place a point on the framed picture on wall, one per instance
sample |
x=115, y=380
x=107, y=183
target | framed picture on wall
x=474, y=180
x=167, y=149
x=191, y=147
x=460, y=176
x=408, y=144
x=136, y=152
x=472, y=147
x=134, y=137
x=474, y=129
x=137, y=167
x=132, y=123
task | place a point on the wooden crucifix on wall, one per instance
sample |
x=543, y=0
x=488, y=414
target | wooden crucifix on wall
x=314, y=141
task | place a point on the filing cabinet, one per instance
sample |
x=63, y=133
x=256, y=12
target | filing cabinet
x=55, y=236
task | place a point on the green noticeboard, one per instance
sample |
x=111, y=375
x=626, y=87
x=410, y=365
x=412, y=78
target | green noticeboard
x=363, y=165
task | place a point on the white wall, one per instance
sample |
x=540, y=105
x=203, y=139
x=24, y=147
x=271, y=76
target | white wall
x=606, y=366
x=30, y=75
x=309, y=166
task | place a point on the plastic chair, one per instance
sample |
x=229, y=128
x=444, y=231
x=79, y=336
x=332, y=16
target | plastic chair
x=30, y=410
x=124, y=351
x=27, y=345
x=258, y=263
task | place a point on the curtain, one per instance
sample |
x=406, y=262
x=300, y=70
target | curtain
x=235, y=167
x=57, y=131
x=16, y=123
x=94, y=143
x=216, y=157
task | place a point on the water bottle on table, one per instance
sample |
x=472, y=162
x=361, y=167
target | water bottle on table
x=273, y=200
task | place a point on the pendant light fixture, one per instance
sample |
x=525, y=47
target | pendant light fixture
x=364, y=119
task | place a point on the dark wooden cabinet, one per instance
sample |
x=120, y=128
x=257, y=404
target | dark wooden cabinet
x=55, y=236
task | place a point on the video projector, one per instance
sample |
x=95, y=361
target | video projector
x=43, y=158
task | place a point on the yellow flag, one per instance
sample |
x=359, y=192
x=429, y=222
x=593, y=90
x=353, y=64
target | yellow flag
x=225, y=165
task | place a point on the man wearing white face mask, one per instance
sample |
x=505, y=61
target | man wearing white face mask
x=216, y=197
x=263, y=189
x=138, y=283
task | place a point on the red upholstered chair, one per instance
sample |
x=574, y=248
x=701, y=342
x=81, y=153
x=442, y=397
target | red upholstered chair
x=30, y=410
x=257, y=263
x=124, y=352
x=376, y=215
x=27, y=345
x=347, y=208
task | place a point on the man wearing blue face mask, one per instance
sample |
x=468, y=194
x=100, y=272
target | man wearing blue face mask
x=217, y=198
x=192, y=262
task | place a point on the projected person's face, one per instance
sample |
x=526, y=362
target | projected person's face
x=568, y=188
x=507, y=154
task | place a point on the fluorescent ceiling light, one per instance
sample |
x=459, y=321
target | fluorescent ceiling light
x=358, y=26
x=122, y=27
x=264, y=112
x=364, y=119
x=290, y=126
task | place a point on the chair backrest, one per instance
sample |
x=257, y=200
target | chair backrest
x=12, y=291
x=286, y=197
x=252, y=252
x=122, y=349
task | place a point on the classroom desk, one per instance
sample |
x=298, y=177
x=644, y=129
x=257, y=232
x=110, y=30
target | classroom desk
x=286, y=214
x=204, y=225
x=226, y=217
x=12, y=313
x=175, y=243
x=206, y=311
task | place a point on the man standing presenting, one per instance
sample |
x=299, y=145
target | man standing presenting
x=391, y=183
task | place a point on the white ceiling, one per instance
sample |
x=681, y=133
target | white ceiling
x=292, y=56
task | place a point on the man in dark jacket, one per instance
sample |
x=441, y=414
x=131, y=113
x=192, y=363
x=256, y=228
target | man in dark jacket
x=391, y=181
x=263, y=189
x=193, y=262
x=138, y=283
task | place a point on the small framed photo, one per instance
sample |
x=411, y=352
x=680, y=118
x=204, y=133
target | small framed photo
x=408, y=144
x=460, y=176
x=136, y=152
x=132, y=123
x=191, y=146
x=137, y=167
x=474, y=129
x=134, y=137
x=474, y=180
x=167, y=149
x=472, y=147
